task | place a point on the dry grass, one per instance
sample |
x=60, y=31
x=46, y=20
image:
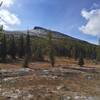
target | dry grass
x=49, y=88
x=60, y=62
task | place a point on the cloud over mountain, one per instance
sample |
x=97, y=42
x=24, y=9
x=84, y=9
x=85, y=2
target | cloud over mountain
x=92, y=26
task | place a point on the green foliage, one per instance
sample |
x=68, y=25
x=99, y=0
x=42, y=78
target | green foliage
x=1, y=32
x=52, y=57
x=21, y=47
x=3, y=48
x=38, y=54
x=26, y=61
x=28, y=50
x=98, y=53
x=1, y=28
x=12, y=47
x=38, y=49
x=26, y=47
x=81, y=61
x=51, y=50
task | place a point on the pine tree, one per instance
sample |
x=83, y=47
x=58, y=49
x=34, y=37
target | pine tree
x=26, y=61
x=28, y=46
x=51, y=57
x=21, y=47
x=38, y=49
x=81, y=61
x=38, y=54
x=98, y=53
x=12, y=48
x=51, y=49
x=3, y=49
x=28, y=52
x=1, y=32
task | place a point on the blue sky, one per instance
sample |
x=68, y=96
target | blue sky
x=66, y=16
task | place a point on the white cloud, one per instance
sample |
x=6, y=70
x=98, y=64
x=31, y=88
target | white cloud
x=8, y=19
x=95, y=5
x=7, y=3
x=92, y=26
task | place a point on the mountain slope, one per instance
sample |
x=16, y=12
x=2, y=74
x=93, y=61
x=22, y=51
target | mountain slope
x=42, y=32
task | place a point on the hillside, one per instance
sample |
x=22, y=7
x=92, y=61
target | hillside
x=64, y=45
x=42, y=32
x=42, y=66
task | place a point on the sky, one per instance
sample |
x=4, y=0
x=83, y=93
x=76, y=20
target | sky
x=77, y=18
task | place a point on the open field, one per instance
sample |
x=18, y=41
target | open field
x=66, y=81
x=50, y=50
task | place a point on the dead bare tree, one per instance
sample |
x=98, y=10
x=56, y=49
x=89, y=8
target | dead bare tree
x=1, y=3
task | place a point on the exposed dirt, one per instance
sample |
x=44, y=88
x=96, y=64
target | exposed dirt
x=40, y=82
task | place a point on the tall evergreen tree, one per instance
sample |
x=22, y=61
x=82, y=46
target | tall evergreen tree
x=12, y=47
x=51, y=49
x=98, y=53
x=3, y=49
x=26, y=61
x=81, y=60
x=38, y=49
x=28, y=46
x=28, y=52
x=1, y=32
x=21, y=47
x=38, y=54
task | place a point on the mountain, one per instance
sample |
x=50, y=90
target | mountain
x=38, y=31
x=42, y=32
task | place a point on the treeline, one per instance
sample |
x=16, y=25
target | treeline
x=25, y=47
x=36, y=48
x=74, y=49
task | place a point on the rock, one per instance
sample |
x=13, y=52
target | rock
x=68, y=98
x=60, y=87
